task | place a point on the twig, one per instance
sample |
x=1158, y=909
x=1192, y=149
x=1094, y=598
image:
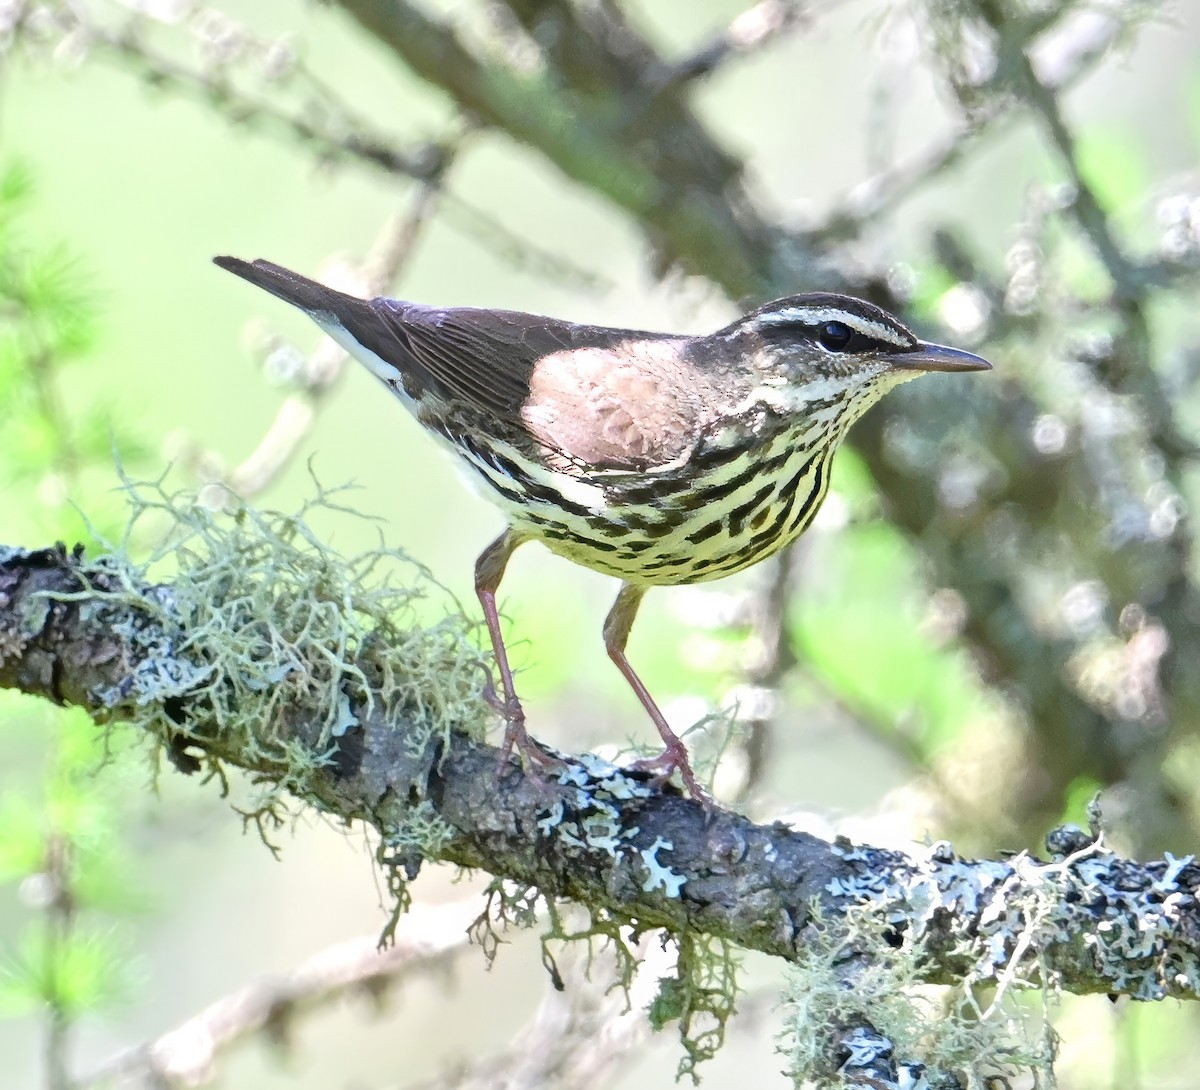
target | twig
x=773, y=658
x=429, y=941
x=1086, y=205
x=1072, y=60
x=44, y=370
x=579, y=1037
x=59, y=899
x=754, y=29
x=700, y=228
x=350, y=138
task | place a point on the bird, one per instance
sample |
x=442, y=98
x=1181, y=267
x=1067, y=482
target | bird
x=655, y=458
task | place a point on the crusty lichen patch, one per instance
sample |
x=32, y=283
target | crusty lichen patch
x=248, y=633
x=1123, y=922
x=586, y=814
x=590, y=815
x=1124, y=925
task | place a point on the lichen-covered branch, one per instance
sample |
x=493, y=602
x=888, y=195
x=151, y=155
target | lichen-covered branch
x=394, y=755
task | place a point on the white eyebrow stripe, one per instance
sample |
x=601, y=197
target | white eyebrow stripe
x=814, y=315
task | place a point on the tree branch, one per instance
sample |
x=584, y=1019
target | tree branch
x=83, y=633
x=684, y=191
x=187, y=1054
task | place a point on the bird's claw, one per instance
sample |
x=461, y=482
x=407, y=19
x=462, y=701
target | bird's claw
x=674, y=756
x=515, y=735
x=661, y=768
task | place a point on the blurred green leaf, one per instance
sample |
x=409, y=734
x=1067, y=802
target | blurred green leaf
x=1079, y=797
x=22, y=838
x=852, y=484
x=862, y=632
x=48, y=293
x=100, y=439
x=75, y=973
x=1114, y=165
x=933, y=280
x=78, y=804
x=1076, y=262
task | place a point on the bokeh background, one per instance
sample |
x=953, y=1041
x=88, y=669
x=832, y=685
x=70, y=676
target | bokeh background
x=870, y=715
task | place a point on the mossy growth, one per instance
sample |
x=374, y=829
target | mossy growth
x=855, y=971
x=699, y=995
x=250, y=637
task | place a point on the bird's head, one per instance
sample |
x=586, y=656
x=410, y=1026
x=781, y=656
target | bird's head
x=827, y=349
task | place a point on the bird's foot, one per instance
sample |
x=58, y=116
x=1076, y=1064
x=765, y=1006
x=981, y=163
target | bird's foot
x=674, y=756
x=516, y=737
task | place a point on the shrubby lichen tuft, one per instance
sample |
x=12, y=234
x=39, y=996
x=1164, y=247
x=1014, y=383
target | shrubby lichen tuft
x=265, y=640
x=701, y=997
x=858, y=968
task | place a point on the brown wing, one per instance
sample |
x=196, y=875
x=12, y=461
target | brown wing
x=590, y=397
x=484, y=358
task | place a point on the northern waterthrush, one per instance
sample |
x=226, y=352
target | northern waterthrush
x=655, y=458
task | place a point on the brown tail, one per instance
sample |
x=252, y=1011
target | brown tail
x=308, y=295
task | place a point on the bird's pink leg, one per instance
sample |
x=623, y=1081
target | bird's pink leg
x=616, y=634
x=489, y=570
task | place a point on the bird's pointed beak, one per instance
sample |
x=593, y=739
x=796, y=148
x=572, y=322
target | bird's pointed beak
x=938, y=357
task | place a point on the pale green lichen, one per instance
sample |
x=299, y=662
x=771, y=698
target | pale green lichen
x=248, y=633
x=861, y=966
x=701, y=997
x=658, y=876
x=423, y=833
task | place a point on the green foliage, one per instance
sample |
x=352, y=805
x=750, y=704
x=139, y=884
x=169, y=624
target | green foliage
x=62, y=845
x=869, y=648
x=73, y=974
x=1113, y=164
x=933, y=280
x=1080, y=800
x=50, y=322
x=62, y=830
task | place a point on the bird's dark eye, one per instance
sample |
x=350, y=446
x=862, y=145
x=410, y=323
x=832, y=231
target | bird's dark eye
x=834, y=336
